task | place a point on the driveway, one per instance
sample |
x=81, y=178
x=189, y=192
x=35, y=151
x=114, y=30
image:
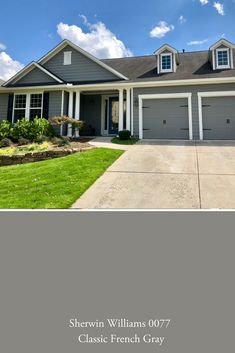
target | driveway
x=167, y=175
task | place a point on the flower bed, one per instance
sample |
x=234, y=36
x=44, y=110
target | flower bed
x=53, y=152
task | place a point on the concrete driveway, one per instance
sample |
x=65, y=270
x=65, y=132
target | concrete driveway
x=167, y=175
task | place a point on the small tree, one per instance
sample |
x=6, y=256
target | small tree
x=66, y=120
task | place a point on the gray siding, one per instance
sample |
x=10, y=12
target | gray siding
x=81, y=69
x=90, y=111
x=3, y=106
x=55, y=99
x=36, y=76
x=180, y=89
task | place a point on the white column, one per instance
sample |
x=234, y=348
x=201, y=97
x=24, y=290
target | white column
x=120, y=125
x=77, y=111
x=62, y=112
x=128, y=109
x=132, y=111
x=70, y=129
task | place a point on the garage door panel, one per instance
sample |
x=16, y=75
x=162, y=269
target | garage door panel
x=165, y=119
x=218, y=118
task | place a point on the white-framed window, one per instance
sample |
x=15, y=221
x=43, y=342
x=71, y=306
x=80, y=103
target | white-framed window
x=67, y=58
x=166, y=62
x=222, y=58
x=27, y=105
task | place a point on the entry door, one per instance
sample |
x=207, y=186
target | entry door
x=113, y=115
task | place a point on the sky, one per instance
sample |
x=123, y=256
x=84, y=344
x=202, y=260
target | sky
x=109, y=29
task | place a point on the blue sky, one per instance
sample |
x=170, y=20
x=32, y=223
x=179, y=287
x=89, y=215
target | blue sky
x=109, y=29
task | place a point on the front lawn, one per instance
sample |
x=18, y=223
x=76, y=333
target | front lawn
x=55, y=183
x=130, y=141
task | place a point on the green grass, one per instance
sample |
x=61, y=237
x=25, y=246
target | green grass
x=55, y=183
x=131, y=141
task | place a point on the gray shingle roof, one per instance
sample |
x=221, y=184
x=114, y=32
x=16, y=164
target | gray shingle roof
x=193, y=65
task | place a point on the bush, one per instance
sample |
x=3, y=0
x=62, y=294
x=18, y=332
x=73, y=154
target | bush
x=42, y=138
x=32, y=130
x=5, y=142
x=124, y=135
x=6, y=129
x=63, y=142
x=56, y=141
x=23, y=141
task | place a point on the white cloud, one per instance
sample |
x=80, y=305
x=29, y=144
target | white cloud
x=182, y=19
x=204, y=2
x=99, y=40
x=219, y=8
x=197, y=42
x=161, y=30
x=8, y=66
x=2, y=46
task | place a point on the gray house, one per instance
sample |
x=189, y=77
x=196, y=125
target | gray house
x=168, y=95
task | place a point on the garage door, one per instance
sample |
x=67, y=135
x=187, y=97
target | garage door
x=165, y=119
x=218, y=116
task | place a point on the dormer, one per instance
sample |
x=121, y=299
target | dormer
x=167, y=59
x=221, y=55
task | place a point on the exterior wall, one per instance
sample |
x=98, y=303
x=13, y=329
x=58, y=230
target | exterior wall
x=179, y=89
x=3, y=106
x=36, y=76
x=90, y=111
x=81, y=69
x=55, y=99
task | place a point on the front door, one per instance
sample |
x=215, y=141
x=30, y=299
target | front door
x=113, y=115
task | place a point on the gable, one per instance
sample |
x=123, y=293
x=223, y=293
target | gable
x=82, y=68
x=36, y=76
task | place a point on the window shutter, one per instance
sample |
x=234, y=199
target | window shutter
x=45, y=111
x=10, y=107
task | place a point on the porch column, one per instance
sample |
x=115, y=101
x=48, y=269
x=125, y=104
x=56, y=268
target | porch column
x=120, y=125
x=70, y=129
x=77, y=111
x=128, y=109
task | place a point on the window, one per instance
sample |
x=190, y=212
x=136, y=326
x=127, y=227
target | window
x=222, y=56
x=67, y=58
x=166, y=62
x=19, y=111
x=27, y=106
x=35, y=106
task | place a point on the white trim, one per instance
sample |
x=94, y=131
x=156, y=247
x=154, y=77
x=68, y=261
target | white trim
x=116, y=86
x=222, y=42
x=70, y=114
x=66, y=42
x=27, y=106
x=209, y=95
x=77, y=105
x=132, y=111
x=213, y=59
x=166, y=70
x=165, y=96
x=166, y=47
x=26, y=70
x=121, y=110
x=217, y=60
x=62, y=111
x=128, y=109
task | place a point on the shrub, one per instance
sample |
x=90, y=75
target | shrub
x=31, y=130
x=63, y=142
x=5, y=142
x=6, y=129
x=23, y=141
x=56, y=140
x=124, y=135
x=42, y=138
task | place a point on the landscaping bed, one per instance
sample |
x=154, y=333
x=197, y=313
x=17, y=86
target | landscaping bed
x=35, y=152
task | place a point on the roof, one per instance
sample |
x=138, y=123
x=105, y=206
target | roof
x=192, y=65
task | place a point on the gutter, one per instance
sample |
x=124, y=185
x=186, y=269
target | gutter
x=124, y=84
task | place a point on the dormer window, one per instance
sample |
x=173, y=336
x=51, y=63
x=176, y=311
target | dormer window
x=67, y=58
x=166, y=62
x=222, y=58
x=167, y=59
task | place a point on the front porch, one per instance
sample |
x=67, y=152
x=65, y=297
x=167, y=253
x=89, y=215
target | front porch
x=105, y=113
